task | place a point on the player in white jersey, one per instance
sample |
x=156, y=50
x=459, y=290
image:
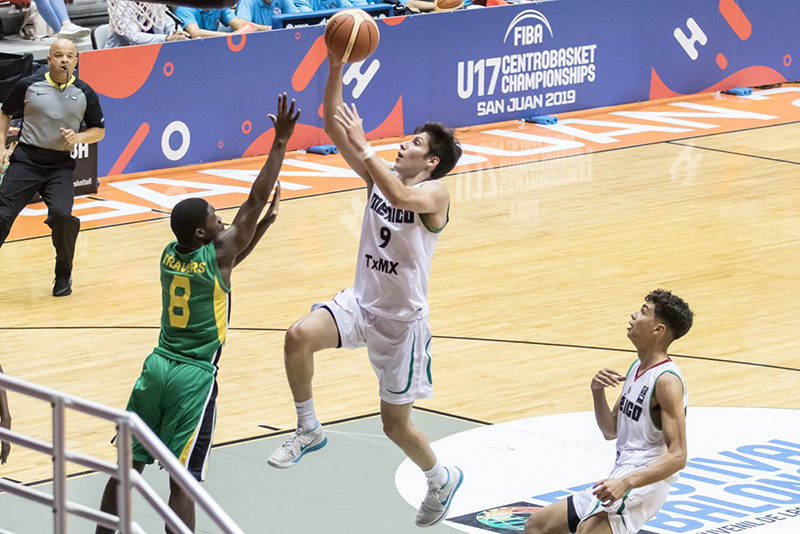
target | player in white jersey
x=387, y=309
x=649, y=423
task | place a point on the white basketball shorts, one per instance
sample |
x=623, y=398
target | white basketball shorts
x=627, y=515
x=398, y=351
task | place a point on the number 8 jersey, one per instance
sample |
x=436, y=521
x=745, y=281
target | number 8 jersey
x=394, y=260
x=195, y=304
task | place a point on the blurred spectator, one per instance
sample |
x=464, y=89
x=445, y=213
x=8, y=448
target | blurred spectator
x=427, y=6
x=129, y=32
x=319, y=5
x=205, y=22
x=260, y=12
x=54, y=13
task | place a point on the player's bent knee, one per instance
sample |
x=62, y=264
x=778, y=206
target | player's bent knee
x=392, y=430
x=395, y=428
x=295, y=338
x=314, y=332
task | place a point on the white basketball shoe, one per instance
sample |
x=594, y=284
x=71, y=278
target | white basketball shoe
x=434, y=508
x=296, y=446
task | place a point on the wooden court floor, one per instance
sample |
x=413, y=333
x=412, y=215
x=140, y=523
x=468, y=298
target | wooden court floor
x=532, y=286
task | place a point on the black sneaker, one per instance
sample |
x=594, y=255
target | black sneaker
x=62, y=286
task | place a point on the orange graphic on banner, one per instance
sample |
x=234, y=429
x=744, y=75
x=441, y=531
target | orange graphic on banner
x=736, y=18
x=121, y=72
x=127, y=154
x=308, y=67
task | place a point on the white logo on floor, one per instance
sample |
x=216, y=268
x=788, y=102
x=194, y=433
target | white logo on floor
x=743, y=473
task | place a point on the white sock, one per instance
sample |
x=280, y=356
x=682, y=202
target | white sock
x=436, y=475
x=306, y=417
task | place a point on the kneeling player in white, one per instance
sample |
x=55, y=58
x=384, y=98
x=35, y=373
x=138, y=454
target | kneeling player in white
x=649, y=422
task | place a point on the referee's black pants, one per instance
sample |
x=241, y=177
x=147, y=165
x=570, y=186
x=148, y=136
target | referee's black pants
x=48, y=172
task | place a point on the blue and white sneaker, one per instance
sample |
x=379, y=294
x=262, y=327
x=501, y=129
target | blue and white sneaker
x=434, y=508
x=296, y=446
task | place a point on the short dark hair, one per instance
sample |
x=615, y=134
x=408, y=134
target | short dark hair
x=672, y=310
x=187, y=216
x=443, y=144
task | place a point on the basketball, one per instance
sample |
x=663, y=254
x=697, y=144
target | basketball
x=448, y=5
x=351, y=35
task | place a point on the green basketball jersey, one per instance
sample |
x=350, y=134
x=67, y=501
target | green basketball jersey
x=195, y=304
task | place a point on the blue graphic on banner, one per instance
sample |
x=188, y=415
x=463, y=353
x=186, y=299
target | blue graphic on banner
x=207, y=100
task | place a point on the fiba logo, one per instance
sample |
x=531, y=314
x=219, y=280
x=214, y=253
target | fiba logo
x=525, y=34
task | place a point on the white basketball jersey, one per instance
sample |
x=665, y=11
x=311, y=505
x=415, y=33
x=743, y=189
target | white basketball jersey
x=394, y=260
x=639, y=440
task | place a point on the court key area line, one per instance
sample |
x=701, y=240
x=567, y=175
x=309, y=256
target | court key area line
x=457, y=338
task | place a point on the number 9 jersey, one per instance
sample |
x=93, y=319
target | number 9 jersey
x=394, y=260
x=195, y=305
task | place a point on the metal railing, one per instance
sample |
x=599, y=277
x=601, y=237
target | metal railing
x=128, y=425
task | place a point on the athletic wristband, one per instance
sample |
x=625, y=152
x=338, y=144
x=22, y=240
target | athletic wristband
x=368, y=152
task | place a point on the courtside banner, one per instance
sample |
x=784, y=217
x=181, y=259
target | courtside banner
x=207, y=100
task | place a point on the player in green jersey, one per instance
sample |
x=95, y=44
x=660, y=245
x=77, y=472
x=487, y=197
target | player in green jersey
x=176, y=393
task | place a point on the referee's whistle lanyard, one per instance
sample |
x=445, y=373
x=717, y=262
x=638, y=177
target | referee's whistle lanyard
x=61, y=86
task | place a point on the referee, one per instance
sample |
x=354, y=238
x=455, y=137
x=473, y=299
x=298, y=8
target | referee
x=53, y=106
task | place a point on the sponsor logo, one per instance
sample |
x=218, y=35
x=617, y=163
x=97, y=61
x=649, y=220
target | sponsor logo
x=743, y=472
x=382, y=265
x=502, y=519
x=528, y=34
x=532, y=75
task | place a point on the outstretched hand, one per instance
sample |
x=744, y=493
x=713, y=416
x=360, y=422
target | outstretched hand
x=352, y=124
x=286, y=118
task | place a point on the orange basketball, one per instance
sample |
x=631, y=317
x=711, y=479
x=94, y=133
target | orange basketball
x=351, y=35
x=447, y=5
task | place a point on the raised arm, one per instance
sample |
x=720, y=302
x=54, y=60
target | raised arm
x=668, y=393
x=5, y=422
x=432, y=197
x=331, y=102
x=262, y=226
x=233, y=241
